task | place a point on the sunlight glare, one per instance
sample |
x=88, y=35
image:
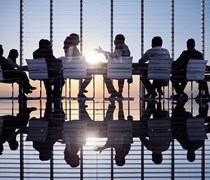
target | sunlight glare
x=92, y=141
x=94, y=57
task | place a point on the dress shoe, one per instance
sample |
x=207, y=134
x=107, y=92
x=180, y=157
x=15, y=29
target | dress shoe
x=176, y=96
x=81, y=95
x=150, y=95
x=153, y=95
x=180, y=95
x=184, y=95
x=32, y=87
x=29, y=110
x=23, y=96
x=113, y=95
x=120, y=95
x=27, y=91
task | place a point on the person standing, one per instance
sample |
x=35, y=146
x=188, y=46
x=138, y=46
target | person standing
x=54, y=66
x=155, y=51
x=179, y=67
x=121, y=50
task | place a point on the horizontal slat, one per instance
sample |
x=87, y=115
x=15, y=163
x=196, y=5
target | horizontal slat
x=196, y=69
x=74, y=67
x=37, y=69
x=119, y=68
x=159, y=69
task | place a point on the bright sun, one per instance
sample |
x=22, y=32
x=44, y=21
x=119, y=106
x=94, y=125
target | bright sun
x=94, y=57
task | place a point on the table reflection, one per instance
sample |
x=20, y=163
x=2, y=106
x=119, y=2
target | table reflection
x=157, y=130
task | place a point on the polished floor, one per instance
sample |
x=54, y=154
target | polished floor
x=104, y=139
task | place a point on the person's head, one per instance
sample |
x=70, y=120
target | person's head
x=13, y=144
x=119, y=39
x=45, y=44
x=157, y=158
x=1, y=50
x=45, y=155
x=190, y=43
x=74, y=39
x=44, y=149
x=157, y=41
x=71, y=159
x=120, y=159
x=13, y=54
x=66, y=43
x=191, y=156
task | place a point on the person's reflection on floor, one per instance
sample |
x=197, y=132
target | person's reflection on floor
x=71, y=154
x=155, y=132
x=119, y=133
x=187, y=130
x=203, y=109
x=13, y=125
x=55, y=118
x=74, y=135
x=83, y=114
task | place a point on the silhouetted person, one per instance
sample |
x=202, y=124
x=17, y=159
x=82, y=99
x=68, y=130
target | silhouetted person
x=13, y=125
x=155, y=133
x=117, y=139
x=73, y=142
x=55, y=83
x=71, y=154
x=11, y=74
x=55, y=118
x=12, y=59
x=155, y=52
x=121, y=50
x=181, y=120
x=71, y=50
x=179, y=67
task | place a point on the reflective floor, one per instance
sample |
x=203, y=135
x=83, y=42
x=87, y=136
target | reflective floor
x=104, y=139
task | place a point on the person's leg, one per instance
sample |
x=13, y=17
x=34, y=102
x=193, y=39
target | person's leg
x=110, y=87
x=57, y=87
x=120, y=86
x=110, y=111
x=149, y=87
x=183, y=85
x=157, y=84
x=178, y=85
x=84, y=85
x=26, y=84
x=203, y=89
x=48, y=88
x=22, y=80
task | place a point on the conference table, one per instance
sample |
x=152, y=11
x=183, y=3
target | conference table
x=137, y=69
x=101, y=68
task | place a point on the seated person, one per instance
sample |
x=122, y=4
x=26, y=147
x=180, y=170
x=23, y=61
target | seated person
x=15, y=75
x=12, y=57
x=70, y=49
x=54, y=69
x=121, y=49
x=179, y=66
x=155, y=51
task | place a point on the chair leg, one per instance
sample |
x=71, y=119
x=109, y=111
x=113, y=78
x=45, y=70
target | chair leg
x=191, y=89
x=12, y=90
